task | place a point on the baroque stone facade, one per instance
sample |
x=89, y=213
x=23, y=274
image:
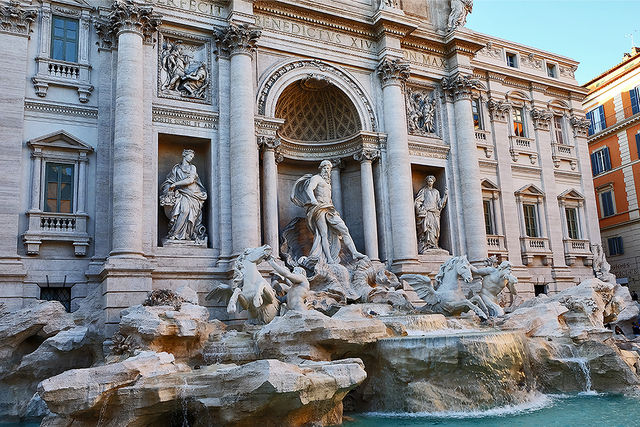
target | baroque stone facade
x=259, y=93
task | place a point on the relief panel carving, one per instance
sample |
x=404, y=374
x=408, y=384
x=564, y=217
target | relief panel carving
x=421, y=112
x=184, y=70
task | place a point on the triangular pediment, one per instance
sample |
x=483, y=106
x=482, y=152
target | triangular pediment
x=530, y=190
x=77, y=3
x=489, y=185
x=571, y=195
x=60, y=140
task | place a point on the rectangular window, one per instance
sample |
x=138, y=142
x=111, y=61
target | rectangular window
x=488, y=217
x=557, y=126
x=477, y=118
x=512, y=60
x=64, y=39
x=607, y=203
x=597, y=119
x=530, y=220
x=552, y=71
x=60, y=294
x=635, y=102
x=518, y=122
x=572, y=223
x=615, y=246
x=59, y=188
x=600, y=161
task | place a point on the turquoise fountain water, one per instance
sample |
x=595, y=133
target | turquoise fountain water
x=544, y=410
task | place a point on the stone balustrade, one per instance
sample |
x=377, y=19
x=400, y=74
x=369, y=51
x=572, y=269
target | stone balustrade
x=519, y=145
x=535, y=246
x=56, y=226
x=577, y=248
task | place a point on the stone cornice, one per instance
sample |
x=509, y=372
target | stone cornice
x=332, y=149
x=393, y=71
x=460, y=86
x=16, y=19
x=239, y=38
x=176, y=116
x=65, y=110
x=435, y=150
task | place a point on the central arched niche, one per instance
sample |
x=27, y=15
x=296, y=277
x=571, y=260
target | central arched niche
x=315, y=110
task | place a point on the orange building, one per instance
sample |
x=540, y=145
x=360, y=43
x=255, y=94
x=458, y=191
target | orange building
x=613, y=107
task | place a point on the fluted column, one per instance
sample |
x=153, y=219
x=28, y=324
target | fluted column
x=458, y=90
x=336, y=185
x=240, y=41
x=270, y=158
x=369, y=218
x=130, y=22
x=393, y=73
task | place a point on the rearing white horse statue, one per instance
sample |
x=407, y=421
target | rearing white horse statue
x=248, y=288
x=446, y=296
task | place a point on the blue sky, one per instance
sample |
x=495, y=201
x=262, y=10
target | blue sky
x=590, y=31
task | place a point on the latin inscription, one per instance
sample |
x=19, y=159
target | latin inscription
x=201, y=7
x=424, y=59
x=313, y=32
x=184, y=122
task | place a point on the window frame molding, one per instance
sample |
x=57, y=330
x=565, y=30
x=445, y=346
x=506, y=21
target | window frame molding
x=603, y=189
x=58, y=147
x=49, y=71
x=516, y=55
x=580, y=247
x=533, y=246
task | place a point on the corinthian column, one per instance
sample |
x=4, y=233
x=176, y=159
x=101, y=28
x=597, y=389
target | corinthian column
x=270, y=191
x=130, y=22
x=126, y=279
x=393, y=74
x=458, y=90
x=240, y=41
x=369, y=219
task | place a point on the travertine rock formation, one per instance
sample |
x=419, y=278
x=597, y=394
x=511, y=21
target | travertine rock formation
x=152, y=389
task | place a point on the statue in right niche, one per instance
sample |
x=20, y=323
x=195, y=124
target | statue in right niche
x=428, y=206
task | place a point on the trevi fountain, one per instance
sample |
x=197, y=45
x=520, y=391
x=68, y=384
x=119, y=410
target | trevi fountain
x=259, y=213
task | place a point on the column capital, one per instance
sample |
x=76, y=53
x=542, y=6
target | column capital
x=337, y=163
x=128, y=16
x=14, y=18
x=541, y=118
x=367, y=155
x=268, y=142
x=393, y=71
x=239, y=38
x=459, y=86
x=580, y=125
x=498, y=110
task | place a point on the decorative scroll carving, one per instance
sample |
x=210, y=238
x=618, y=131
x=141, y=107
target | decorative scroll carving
x=15, y=19
x=268, y=142
x=499, y=110
x=240, y=38
x=531, y=61
x=460, y=86
x=367, y=155
x=127, y=15
x=541, y=118
x=459, y=11
x=568, y=71
x=183, y=68
x=421, y=112
x=393, y=71
x=491, y=51
x=389, y=4
x=580, y=126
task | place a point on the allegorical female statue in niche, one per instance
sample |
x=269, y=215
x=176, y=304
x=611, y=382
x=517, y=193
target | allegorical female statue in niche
x=429, y=205
x=182, y=196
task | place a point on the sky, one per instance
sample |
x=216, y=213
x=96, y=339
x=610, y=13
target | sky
x=593, y=32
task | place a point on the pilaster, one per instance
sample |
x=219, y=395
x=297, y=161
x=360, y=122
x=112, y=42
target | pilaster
x=366, y=157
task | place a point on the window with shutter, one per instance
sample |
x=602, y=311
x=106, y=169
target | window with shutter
x=591, y=127
x=606, y=203
x=635, y=107
x=638, y=144
x=615, y=246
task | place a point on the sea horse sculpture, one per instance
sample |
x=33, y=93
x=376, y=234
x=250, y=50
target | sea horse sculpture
x=446, y=296
x=248, y=288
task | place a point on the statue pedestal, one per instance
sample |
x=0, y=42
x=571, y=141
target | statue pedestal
x=184, y=243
